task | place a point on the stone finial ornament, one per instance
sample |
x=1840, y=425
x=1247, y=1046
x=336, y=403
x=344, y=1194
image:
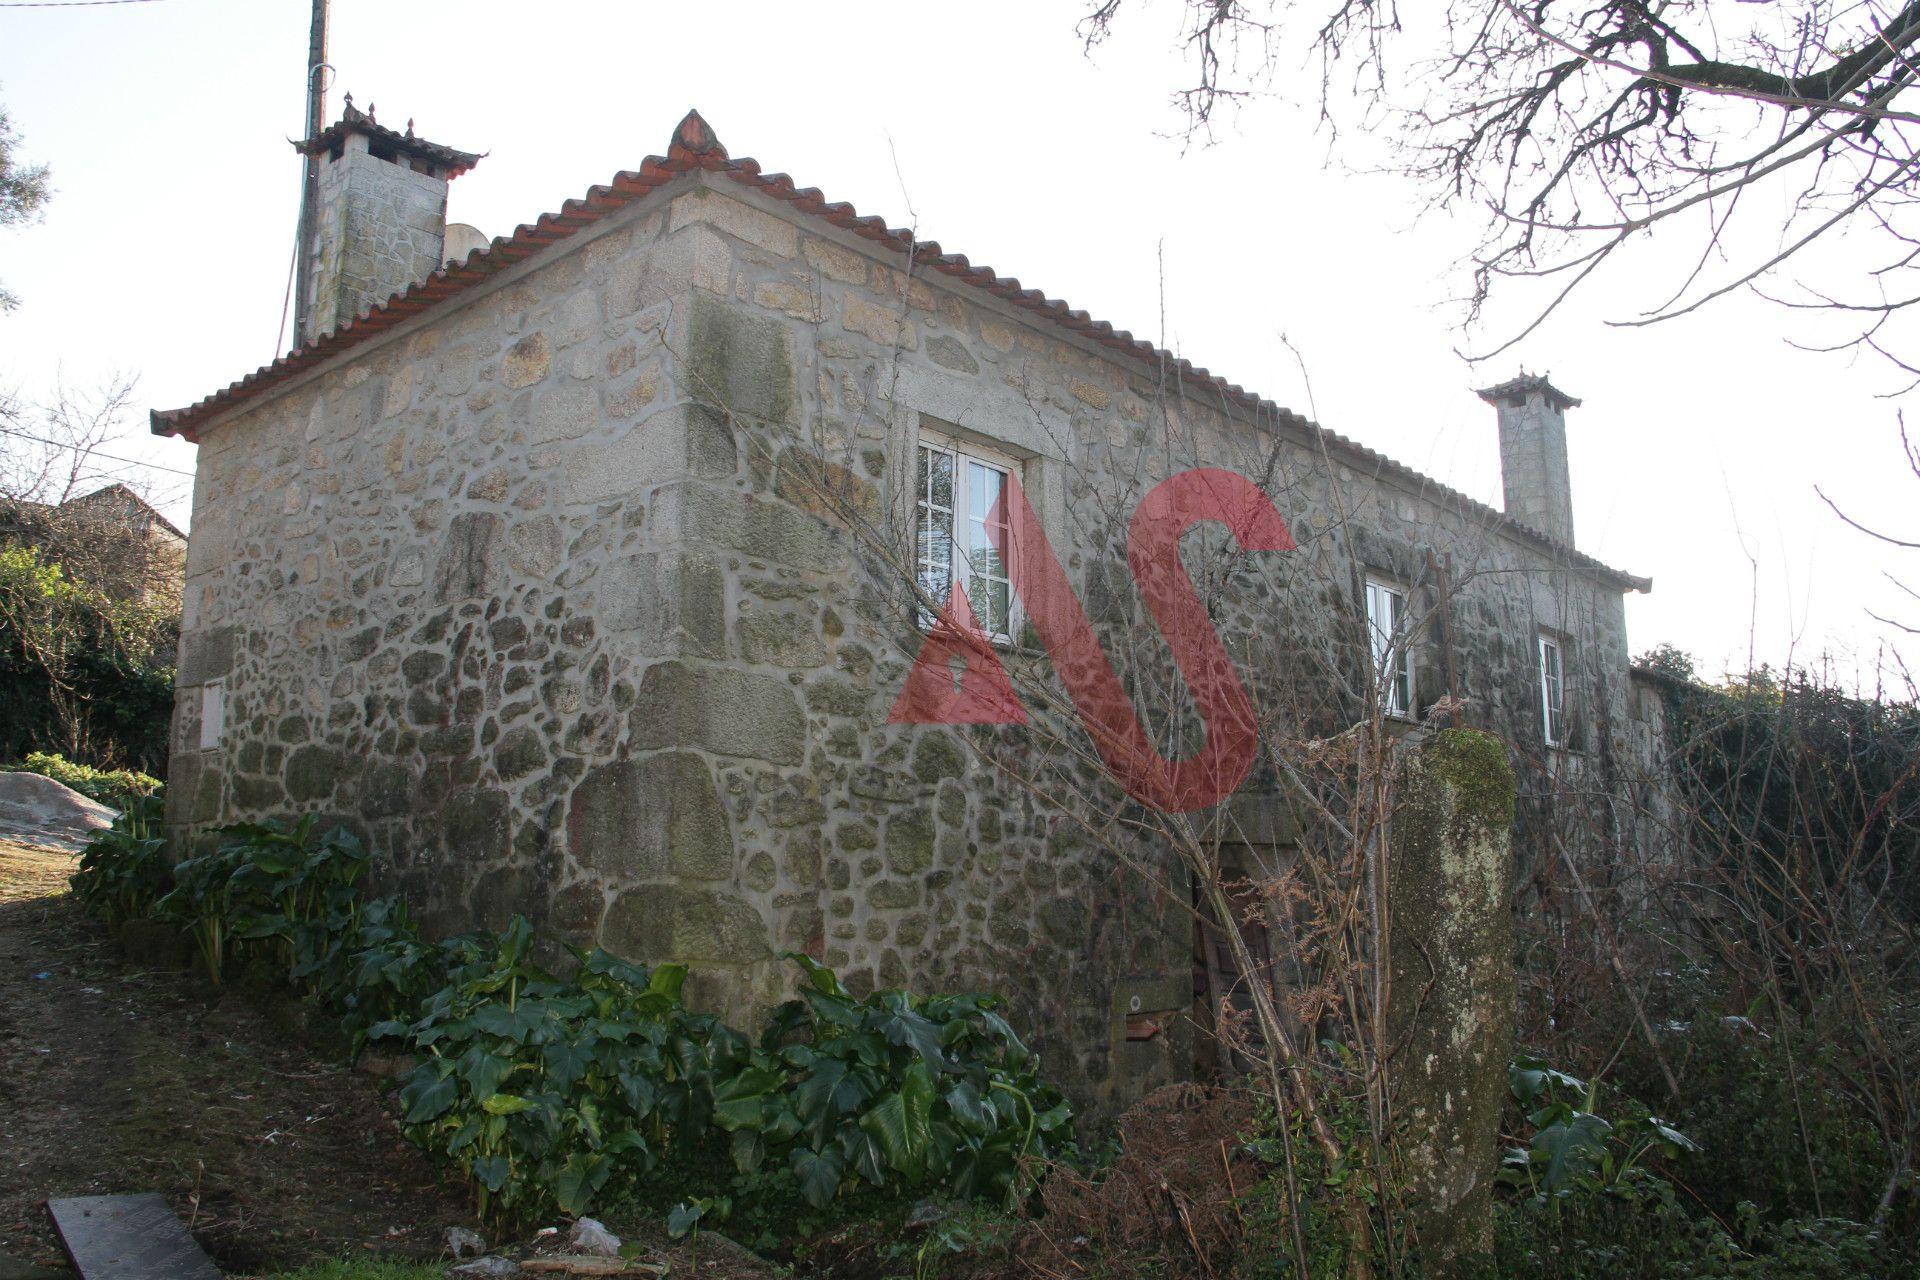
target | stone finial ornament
x=693, y=136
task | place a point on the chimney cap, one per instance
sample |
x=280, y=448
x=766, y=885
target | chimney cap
x=354, y=120
x=1525, y=383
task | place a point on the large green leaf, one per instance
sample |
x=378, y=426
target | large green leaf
x=427, y=1097
x=819, y=1172
x=667, y=981
x=863, y=1155
x=822, y=978
x=754, y=1082
x=740, y=1114
x=639, y=1092
x=901, y=1122
x=491, y=1172
x=906, y=1029
x=1570, y=1151
x=484, y=1071
x=830, y=1092
x=964, y=1101
x=1058, y=1116
x=684, y=1217
x=567, y=1059
x=748, y=1150
x=516, y=1024
x=574, y=1186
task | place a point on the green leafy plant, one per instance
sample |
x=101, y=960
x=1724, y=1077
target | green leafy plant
x=201, y=903
x=119, y=788
x=543, y=1092
x=1574, y=1151
x=686, y=1217
x=895, y=1091
x=124, y=870
x=297, y=889
x=553, y=1095
x=270, y=882
x=384, y=972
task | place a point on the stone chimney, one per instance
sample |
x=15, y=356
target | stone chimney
x=1533, y=453
x=382, y=217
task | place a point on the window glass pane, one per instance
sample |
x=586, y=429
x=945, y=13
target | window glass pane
x=987, y=587
x=933, y=525
x=996, y=614
x=983, y=488
x=940, y=478
x=934, y=547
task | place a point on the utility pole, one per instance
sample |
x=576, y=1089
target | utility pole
x=310, y=193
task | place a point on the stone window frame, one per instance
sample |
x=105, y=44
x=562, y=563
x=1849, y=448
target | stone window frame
x=963, y=448
x=1401, y=633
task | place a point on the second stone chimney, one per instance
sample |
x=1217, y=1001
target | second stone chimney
x=1533, y=453
x=382, y=217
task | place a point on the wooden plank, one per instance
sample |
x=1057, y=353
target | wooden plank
x=128, y=1238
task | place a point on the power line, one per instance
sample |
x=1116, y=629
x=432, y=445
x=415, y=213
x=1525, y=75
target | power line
x=95, y=453
x=66, y=4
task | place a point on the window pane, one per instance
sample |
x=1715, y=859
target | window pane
x=996, y=607
x=983, y=488
x=940, y=478
x=933, y=526
x=981, y=553
x=987, y=585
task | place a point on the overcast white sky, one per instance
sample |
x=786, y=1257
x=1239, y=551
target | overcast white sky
x=165, y=250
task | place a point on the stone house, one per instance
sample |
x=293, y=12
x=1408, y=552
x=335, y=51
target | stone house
x=578, y=575
x=110, y=537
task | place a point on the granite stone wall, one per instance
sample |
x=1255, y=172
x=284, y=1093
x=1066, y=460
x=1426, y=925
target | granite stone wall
x=581, y=596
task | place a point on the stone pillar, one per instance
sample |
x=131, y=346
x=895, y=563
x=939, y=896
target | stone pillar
x=1450, y=877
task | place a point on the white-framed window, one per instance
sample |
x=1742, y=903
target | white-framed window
x=213, y=713
x=955, y=488
x=1553, y=692
x=1388, y=626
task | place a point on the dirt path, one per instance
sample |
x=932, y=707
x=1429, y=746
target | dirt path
x=118, y=1079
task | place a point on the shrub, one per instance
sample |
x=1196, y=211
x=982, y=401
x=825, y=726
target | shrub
x=117, y=788
x=552, y=1095
x=556, y=1094
x=81, y=671
x=124, y=870
x=1598, y=1201
x=541, y=1092
x=896, y=1091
